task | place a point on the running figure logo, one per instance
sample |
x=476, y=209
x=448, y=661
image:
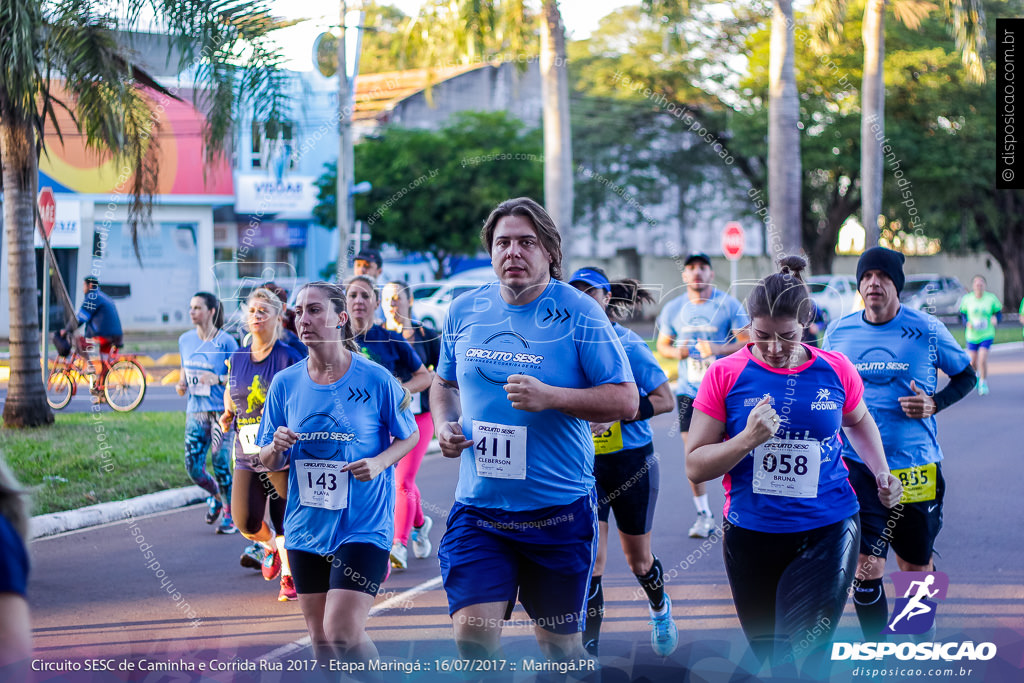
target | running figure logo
x=914, y=613
x=822, y=395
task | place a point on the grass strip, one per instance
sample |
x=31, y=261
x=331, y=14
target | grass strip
x=87, y=458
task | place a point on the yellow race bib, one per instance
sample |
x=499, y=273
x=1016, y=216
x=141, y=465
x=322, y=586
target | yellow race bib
x=918, y=483
x=610, y=440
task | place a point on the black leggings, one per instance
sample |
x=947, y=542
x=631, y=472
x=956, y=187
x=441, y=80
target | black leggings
x=249, y=494
x=790, y=588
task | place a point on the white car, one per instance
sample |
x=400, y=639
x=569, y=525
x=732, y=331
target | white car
x=430, y=300
x=836, y=295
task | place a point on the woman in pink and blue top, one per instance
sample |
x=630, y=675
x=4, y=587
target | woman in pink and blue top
x=768, y=418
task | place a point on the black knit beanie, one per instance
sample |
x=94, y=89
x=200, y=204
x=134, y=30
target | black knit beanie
x=886, y=260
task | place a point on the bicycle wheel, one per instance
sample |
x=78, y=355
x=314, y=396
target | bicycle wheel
x=125, y=385
x=59, y=389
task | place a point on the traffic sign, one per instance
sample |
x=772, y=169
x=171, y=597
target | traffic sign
x=47, y=210
x=732, y=241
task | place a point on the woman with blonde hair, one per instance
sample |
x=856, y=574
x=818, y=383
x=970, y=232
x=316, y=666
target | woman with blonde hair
x=251, y=369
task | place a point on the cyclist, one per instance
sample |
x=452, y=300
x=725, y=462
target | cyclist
x=204, y=354
x=700, y=325
x=410, y=522
x=102, y=326
x=980, y=311
x=331, y=418
x=626, y=467
x=391, y=350
x=251, y=370
x=768, y=418
x=526, y=364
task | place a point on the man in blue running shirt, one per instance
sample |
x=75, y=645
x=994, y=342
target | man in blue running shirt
x=526, y=364
x=897, y=352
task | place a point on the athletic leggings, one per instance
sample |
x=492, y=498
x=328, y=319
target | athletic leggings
x=790, y=588
x=199, y=428
x=249, y=494
x=408, y=511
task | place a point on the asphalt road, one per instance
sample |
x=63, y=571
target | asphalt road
x=95, y=595
x=158, y=399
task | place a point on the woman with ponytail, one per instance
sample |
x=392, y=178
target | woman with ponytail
x=768, y=418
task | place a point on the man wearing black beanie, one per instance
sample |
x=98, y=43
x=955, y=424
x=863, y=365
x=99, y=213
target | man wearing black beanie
x=896, y=351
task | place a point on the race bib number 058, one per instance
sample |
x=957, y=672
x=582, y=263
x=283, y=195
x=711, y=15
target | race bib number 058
x=918, y=483
x=787, y=467
x=499, y=450
x=322, y=484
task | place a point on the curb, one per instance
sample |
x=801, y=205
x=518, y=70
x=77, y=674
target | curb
x=53, y=523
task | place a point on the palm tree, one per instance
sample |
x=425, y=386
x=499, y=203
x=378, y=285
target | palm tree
x=69, y=54
x=784, y=176
x=967, y=23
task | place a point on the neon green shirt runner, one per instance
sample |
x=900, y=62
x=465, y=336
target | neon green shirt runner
x=979, y=312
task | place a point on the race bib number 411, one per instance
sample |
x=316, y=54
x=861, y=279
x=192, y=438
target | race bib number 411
x=499, y=450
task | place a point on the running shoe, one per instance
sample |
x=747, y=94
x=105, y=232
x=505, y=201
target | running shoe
x=287, y=589
x=226, y=526
x=399, y=556
x=213, y=512
x=703, y=527
x=420, y=538
x=982, y=388
x=664, y=634
x=271, y=565
x=252, y=557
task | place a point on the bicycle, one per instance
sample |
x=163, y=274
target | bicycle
x=121, y=380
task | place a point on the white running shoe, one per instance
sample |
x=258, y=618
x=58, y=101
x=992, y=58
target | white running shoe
x=664, y=634
x=399, y=556
x=421, y=538
x=703, y=527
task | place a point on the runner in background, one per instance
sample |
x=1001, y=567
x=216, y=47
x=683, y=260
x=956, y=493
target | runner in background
x=288, y=334
x=768, y=418
x=980, y=311
x=526, y=364
x=204, y=372
x=410, y=522
x=696, y=328
x=339, y=421
x=15, y=626
x=626, y=467
x=391, y=350
x=897, y=352
x=251, y=370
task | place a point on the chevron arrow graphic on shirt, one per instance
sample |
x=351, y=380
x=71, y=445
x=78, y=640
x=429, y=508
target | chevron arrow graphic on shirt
x=358, y=395
x=910, y=333
x=557, y=316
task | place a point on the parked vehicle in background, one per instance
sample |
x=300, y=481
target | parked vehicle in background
x=935, y=294
x=835, y=295
x=431, y=299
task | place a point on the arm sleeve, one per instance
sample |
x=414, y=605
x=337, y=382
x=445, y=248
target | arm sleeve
x=401, y=423
x=446, y=369
x=88, y=309
x=853, y=385
x=959, y=386
x=711, y=393
x=600, y=352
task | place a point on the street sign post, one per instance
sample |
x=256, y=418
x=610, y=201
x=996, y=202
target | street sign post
x=47, y=219
x=733, y=241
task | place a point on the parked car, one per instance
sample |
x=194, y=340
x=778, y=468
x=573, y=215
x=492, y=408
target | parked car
x=935, y=294
x=836, y=295
x=431, y=299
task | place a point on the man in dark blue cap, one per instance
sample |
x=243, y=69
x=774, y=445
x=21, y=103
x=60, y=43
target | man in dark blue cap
x=696, y=328
x=897, y=351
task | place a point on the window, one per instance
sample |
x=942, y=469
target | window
x=272, y=145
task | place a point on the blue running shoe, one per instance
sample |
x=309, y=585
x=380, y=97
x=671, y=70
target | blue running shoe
x=213, y=512
x=664, y=634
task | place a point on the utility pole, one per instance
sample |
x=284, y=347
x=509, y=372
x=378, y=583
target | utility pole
x=346, y=163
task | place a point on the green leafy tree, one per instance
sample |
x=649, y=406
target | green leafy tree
x=432, y=190
x=72, y=46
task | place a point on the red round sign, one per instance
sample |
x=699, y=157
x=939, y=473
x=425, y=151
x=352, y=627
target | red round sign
x=732, y=241
x=47, y=210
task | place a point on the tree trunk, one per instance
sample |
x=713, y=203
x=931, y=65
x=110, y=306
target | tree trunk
x=872, y=124
x=1005, y=241
x=26, y=395
x=558, y=178
x=784, y=173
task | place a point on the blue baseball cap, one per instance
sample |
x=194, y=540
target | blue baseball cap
x=592, y=278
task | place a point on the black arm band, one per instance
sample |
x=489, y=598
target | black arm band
x=959, y=386
x=646, y=411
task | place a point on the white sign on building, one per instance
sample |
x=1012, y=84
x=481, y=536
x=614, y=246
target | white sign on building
x=262, y=194
x=67, y=231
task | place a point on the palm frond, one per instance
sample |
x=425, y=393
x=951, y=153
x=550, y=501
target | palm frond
x=827, y=19
x=967, y=19
x=911, y=13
